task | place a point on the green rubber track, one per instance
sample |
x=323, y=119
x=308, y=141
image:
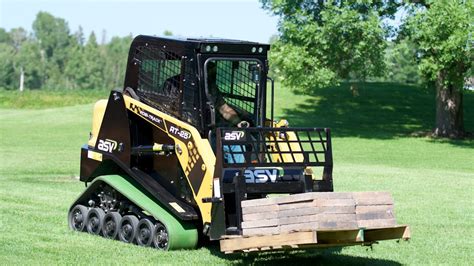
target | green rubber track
x=182, y=235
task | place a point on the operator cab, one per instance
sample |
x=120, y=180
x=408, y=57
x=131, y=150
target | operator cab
x=190, y=78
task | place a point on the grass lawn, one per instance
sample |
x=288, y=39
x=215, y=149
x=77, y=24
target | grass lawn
x=432, y=181
x=39, y=99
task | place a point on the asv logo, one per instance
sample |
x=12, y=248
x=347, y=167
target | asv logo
x=107, y=145
x=234, y=135
x=260, y=175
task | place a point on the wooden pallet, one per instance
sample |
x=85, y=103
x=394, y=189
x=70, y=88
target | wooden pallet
x=312, y=239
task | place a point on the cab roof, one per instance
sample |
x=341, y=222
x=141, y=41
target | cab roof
x=204, y=45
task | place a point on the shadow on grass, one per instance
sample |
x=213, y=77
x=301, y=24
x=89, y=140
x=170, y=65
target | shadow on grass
x=382, y=110
x=329, y=256
x=468, y=143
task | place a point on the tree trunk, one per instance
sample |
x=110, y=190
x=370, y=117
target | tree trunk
x=22, y=78
x=354, y=89
x=449, y=109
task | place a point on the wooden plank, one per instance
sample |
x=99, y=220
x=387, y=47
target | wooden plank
x=333, y=202
x=373, y=198
x=259, y=209
x=396, y=232
x=361, y=198
x=296, y=240
x=299, y=212
x=338, y=209
x=297, y=198
x=260, y=223
x=266, y=241
x=338, y=224
x=316, y=210
x=260, y=216
x=314, y=196
x=297, y=219
x=261, y=231
x=309, y=226
x=373, y=208
x=296, y=205
x=376, y=223
x=375, y=215
x=338, y=217
x=322, y=217
x=292, y=213
x=259, y=202
x=340, y=236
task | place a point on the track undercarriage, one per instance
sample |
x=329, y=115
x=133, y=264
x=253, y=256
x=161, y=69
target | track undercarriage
x=103, y=210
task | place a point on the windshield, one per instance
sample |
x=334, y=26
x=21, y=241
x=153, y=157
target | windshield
x=233, y=85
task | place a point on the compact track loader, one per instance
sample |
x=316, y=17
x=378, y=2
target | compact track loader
x=186, y=151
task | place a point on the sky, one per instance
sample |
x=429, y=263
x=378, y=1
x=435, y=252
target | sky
x=231, y=19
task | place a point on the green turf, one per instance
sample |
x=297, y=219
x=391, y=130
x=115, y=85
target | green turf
x=40, y=99
x=432, y=182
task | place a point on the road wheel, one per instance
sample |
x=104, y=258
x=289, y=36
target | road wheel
x=145, y=232
x=128, y=228
x=161, y=237
x=95, y=217
x=77, y=217
x=111, y=225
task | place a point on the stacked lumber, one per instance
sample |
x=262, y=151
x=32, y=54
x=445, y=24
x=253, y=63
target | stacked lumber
x=317, y=211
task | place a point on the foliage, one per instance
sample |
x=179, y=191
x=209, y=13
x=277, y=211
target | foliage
x=442, y=31
x=401, y=63
x=51, y=57
x=323, y=42
x=7, y=69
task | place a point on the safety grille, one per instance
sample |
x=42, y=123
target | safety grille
x=159, y=78
x=260, y=147
x=234, y=80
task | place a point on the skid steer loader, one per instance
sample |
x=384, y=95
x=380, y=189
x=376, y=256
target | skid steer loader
x=164, y=166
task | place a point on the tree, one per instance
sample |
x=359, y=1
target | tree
x=441, y=31
x=7, y=70
x=94, y=65
x=116, y=61
x=52, y=35
x=73, y=72
x=401, y=62
x=29, y=63
x=18, y=36
x=85, y=67
x=4, y=36
x=51, y=32
x=79, y=37
x=322, y=42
